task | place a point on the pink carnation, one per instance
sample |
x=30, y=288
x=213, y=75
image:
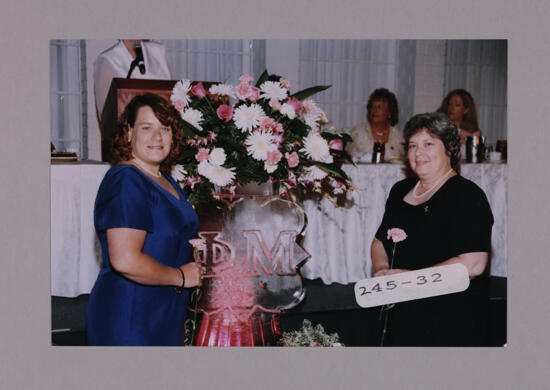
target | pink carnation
x=245, y=78
x=273, y=157
x=397, y=235
x=336, y=144
x=275, y=104
x=292, y=159
x=202, y=155
x=225, y=112
x=243, y=91
x=255, y=94
x=198, y=90
x=180, y=106
x=296, y=104
x=198, y=243
x=285, y=82
x=268, y=124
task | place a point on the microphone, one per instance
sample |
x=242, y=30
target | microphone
x=139, y=58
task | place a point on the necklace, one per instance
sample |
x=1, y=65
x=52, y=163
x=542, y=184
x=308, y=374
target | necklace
x=147, y=170
x=431, y=189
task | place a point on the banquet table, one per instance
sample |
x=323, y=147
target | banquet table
x=75, y=251
x=339, y=239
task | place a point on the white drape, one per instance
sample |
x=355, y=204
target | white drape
x=67, y=120
x=354, y=68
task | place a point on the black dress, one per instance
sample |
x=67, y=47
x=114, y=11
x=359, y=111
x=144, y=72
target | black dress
x=456, y=219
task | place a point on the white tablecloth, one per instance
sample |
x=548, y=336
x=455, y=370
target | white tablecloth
x=75, y=252
x=339, y=239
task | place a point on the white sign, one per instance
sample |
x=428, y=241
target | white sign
x=406, y=286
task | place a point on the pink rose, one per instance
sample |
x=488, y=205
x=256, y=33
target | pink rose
x=255, y=94
x=202, y=155
x=336, y=144
x=180, y=106
x=198, y=243
x=245, y=78
x=243, y=91
x=296, y=104
x=273, y=157
x=285, y=83
x=292, y=159
x=225, y=112
x=198, y=90
x=275, y=104
x=397, y=235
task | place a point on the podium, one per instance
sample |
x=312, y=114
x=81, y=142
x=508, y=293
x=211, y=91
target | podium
x=120, y=94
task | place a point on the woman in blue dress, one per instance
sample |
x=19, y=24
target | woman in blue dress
x=144, y=223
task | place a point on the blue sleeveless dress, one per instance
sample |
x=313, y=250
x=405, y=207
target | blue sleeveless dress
x=123, y=312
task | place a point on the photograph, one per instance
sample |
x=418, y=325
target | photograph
x=234, y=192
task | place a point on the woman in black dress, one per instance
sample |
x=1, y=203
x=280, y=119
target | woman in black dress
x=448, y=220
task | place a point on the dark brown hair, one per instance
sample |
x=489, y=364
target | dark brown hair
x=389, y=97
x=165, y=113
x=469, y=120
x=440, y=126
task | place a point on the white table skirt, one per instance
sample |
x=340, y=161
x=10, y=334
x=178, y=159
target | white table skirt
x=339, y=239
x=75, y=252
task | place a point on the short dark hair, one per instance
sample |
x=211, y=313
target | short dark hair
x=439, y=125
x=388, y=96
x=469, y=120
x=165, y=112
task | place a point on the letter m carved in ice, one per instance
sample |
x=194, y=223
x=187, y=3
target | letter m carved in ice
x=281, y=259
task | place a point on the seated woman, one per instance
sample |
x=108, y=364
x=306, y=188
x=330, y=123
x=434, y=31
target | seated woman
x=144, y=222
x=448, y=220
x=382, y=116
x=460, y=107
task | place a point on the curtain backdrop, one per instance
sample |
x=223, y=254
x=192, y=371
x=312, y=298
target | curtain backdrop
x=354, y=68
x=214, y=60
x=68, y=96
x=480, y=67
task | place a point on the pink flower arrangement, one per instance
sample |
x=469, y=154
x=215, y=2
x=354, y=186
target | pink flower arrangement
x=225, y=112
x=265, y=124
x=397, y=235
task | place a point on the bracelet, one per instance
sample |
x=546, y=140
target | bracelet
x=180, y=289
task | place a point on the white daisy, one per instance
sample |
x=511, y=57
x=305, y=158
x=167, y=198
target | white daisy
x=178, y=172
x=288, y=110
x=180, y=93
x=193, y=117
x=222, y=90
x=312, y=120
x=314, y=173
x=272, y=90
x=270, y=168
x=217, y=157
x=248, y=117
x=221, y=176
x=316, y=148
x=259, y=143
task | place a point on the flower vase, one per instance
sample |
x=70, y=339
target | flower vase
x=249, y=275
